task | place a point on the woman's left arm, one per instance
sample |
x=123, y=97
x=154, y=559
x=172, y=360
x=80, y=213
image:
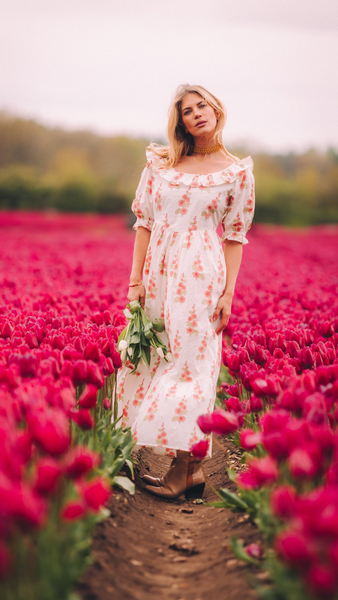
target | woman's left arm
x=233, y=255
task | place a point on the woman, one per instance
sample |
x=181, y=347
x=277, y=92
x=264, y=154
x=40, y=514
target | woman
x=185, y=191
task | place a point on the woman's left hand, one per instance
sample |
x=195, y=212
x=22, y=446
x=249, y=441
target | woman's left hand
x=223, y=310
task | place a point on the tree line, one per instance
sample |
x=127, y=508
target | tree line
x=78, y=171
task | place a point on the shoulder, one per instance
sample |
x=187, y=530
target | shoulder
x=155, y=162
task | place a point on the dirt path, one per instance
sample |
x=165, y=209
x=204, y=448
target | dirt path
x=169, y=550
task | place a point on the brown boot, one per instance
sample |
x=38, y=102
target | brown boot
x=159, y=481
x=186, y=478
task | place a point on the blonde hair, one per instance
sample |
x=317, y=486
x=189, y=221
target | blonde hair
x=180, y=142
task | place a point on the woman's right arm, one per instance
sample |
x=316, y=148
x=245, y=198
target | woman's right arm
x=140, y=250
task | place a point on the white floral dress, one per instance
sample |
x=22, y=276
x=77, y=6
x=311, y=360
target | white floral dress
x=184, y=276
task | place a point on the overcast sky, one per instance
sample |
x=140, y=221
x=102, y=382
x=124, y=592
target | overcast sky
x=113, y=65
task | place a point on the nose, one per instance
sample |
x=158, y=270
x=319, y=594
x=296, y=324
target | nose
x=197, y=113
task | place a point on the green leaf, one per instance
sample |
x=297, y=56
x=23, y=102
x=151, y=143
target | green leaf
x=158, y=326
x=232, y=500
x=135, y=306
x=131, y=467
x=232, y=474
x=124, y=483
x=127, y=313
x=135, y=338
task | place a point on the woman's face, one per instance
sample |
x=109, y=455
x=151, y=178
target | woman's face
x=198, y=116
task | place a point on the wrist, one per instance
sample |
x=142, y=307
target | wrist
x=135, y=278
x=228, y=294
x=136, y=284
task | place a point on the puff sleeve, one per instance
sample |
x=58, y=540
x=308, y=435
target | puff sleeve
x=239, y=212
x=142, y=205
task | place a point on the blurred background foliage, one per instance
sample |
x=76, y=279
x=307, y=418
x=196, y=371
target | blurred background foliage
x=50, y=168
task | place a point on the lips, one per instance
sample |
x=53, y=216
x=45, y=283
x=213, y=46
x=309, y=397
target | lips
x=200, y=123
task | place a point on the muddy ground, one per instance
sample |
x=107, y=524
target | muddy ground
x=170, y=550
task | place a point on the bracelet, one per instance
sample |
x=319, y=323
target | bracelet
x=135, y=284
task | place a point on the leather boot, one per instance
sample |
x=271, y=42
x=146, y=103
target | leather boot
x=186, y=478
x=159, y=481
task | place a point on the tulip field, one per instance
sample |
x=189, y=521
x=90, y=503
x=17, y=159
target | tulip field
x=281, y=407
x=63, y=284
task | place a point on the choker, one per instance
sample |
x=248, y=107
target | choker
x=207, y=150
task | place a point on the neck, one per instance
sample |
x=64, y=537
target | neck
x=205, y=141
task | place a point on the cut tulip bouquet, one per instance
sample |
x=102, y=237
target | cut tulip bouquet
x=140, y=335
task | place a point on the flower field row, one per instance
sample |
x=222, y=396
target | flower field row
x=62, y=285
x=63, y=281
x=282, y=407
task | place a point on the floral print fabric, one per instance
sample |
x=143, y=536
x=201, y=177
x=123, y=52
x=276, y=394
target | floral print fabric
x=184, y=276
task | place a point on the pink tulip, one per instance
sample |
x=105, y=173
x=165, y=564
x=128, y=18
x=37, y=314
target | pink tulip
x=262, y=472
x=256, y=404
x=50, y=429
x=233, y=363
x=307, y=359
x=92, y=352
x=107, y=404
x=205, y=423
x=224, y=422
x=304, y=463
x=95, y=375
x=95, y=492
x=282, y=501
x=48, y=472
x=249, y=438
x=82, y=418
x=80, y=372
x=254, y=550
x=259, y=387
x=73, y=510
x=322, y=580
x=233, y=405
x=294, y=549
x=79, y=461
x=117, y=359
x=88, y=397
x=200, y=449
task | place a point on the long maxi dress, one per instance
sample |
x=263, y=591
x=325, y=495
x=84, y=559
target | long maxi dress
x=184, y=276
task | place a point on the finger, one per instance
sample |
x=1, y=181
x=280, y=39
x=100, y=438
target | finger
x=217, y=312
x=223, y=324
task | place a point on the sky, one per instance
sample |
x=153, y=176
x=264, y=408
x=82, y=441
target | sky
x=112, y=66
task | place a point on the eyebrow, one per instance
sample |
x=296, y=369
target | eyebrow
x=198, y=103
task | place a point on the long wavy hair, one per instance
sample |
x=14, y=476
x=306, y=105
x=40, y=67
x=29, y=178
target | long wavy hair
x=182, y=143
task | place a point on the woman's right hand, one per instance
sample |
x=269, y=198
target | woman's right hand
x=137, y=293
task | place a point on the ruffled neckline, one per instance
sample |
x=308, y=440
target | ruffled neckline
x=174, y=177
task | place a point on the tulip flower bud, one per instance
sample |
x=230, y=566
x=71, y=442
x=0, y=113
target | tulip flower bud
x=160, y=352
x=199, y=450
x=123, y=345
x=254, y=550
x=72, y=510
x=88, y=397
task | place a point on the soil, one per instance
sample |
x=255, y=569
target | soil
x=151, y=548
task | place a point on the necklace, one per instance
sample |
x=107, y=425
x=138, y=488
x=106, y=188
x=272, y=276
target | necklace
x=207, y=150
